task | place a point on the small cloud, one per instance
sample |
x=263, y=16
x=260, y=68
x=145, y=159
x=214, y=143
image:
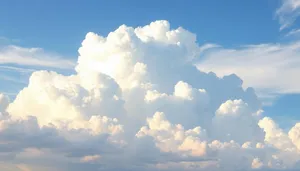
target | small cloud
x=17, y=69
x=294, y=32
x=33, y=57
x=90, y=159
x=256, y=163
x=208, y=46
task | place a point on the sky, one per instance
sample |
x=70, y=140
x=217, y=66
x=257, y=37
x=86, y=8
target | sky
x=150, y=85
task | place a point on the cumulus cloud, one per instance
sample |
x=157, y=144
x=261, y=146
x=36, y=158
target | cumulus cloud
x=173, y=138
x=236, y=114
x=294, y=135
x=138, y=102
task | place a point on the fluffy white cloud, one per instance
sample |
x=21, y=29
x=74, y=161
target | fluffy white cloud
x=274, y=135
x=138, y=102
x=294, y=135
x=173, y=138
x=237, y=114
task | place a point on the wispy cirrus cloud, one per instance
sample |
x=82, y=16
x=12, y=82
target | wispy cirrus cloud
x=269, y=68
x=294, y=32
x=33, y=57
x=288, y=12
x=17, y=69
x=11, y=79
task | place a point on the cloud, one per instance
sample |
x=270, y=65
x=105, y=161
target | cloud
x=15, y=75
x=92, y=158
x=260, y=66
x=4, y=102
x=294, y=135
x=32, y=57
x=233, y=114
x=274, y=135
x=138, y=102
x=12, y=79
x=288, y=12
x=256, y=163
x=17, y=69
x=173, y=138
x=294, y=32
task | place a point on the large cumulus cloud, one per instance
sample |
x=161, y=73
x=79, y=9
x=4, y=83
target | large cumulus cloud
x=137, y=102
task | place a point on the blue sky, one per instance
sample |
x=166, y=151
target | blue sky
x=60, y=25
x=141, y=96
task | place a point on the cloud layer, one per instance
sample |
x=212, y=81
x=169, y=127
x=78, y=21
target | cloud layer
x=138, y=102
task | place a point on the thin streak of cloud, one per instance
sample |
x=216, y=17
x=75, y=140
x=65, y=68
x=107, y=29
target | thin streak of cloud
x=269, y=68
x=207, y=47
x=294, y=32
x=12, y=79
x=17, y=69
x=33, y=57
x=287, y=13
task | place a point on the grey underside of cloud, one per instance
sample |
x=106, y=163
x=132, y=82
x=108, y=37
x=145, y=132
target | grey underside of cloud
x=138, y=102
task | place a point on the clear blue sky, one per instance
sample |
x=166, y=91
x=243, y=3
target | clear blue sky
x=60, y=26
